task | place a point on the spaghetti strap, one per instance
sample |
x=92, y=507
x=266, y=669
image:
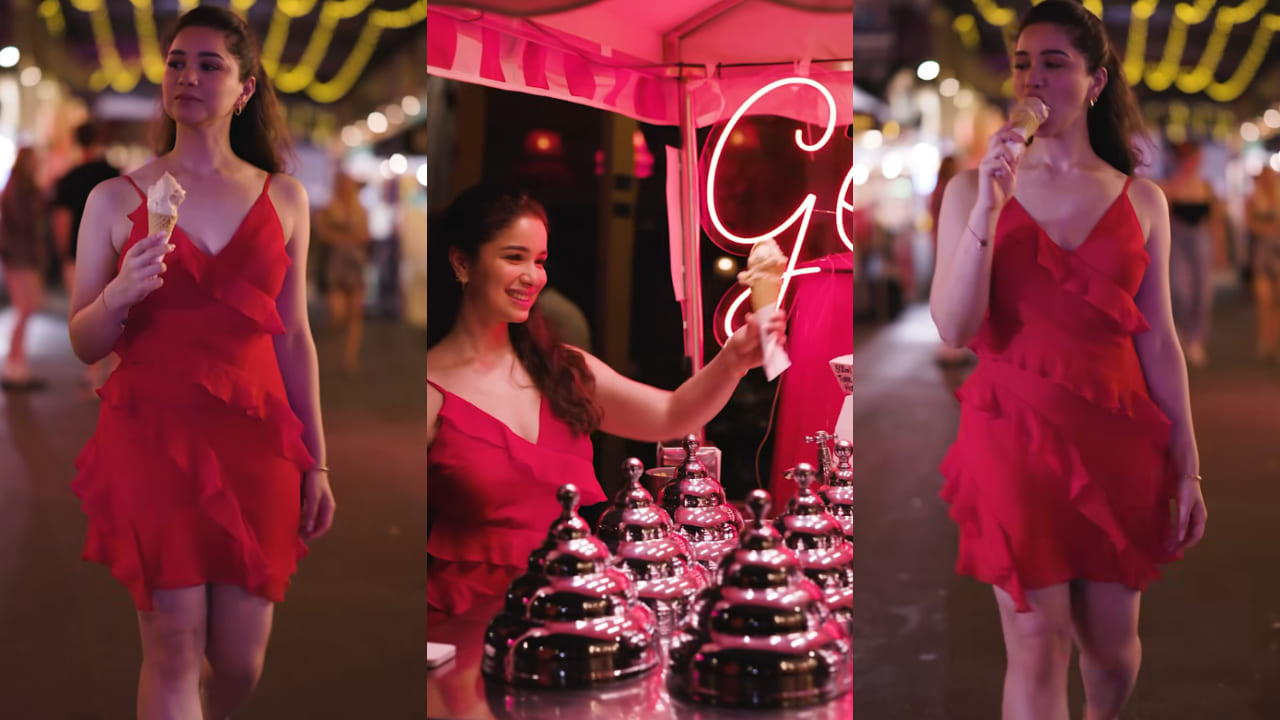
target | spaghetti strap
x=135, y=187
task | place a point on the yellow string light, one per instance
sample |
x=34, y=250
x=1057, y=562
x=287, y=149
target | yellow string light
x=302, y=74
x=967, y=27
x=278, y=32
x=123, y=77
x=1170, y=67
x=1169, y=71
x=51, y=11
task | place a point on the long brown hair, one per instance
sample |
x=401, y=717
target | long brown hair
x=258, y=133
x=474, y=219
x=1115, y=121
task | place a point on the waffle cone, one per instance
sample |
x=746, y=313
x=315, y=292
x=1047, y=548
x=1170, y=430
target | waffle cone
x=765, y=292
x=157, y=222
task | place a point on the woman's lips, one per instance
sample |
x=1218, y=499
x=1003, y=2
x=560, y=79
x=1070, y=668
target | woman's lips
x=521, y=297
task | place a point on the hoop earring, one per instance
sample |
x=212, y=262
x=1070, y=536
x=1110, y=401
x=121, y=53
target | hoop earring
x=240, y=108
x=1093, y=101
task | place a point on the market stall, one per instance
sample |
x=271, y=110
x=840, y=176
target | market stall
x=686, y=63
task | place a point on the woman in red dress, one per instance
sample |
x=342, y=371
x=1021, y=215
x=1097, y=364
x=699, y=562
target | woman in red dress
x=1075, y=431
x=510, y=411
x=206, y=472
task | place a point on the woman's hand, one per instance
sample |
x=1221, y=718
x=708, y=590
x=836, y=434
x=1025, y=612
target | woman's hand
x=317, y=505
x=997, y=172
x=139, y=274
x=743, y=349
x=1189, y=527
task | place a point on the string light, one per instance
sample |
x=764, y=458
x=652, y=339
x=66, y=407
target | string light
x=123, y=77
x=1169, y=71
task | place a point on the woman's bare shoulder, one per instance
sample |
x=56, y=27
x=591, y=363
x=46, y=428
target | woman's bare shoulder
x=116, y=192
x=1146, y=195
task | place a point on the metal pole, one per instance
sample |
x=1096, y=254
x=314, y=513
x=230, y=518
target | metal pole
x=691, y=229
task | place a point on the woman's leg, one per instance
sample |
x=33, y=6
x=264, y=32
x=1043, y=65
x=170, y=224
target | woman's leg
x=1038, y=654
x=1180, y=277
x=26, y=292
x=239, y=627
x=355, y=329
x=1105, y=617
x=1265, y=304
x=337, y=308
x=173, y=645
x=1202, y=302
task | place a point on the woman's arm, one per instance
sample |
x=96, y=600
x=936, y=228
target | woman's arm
x=962, y=281
x=642, y=412
x=296, y=353
x=98, y=308
x=434, y=400
x=1158, y=348
x=1166, y=370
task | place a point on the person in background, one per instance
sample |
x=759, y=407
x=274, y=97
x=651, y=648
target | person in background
x=510, y=412
x=1075, y=473
x=1195, y=230
x=343, y=227
x=70, y=195
x=1263, y=214
x=26, y=258
x=564, y=318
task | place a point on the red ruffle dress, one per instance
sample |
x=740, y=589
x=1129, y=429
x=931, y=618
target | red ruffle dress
x=492, y=498
x=193, y=475
x=1060, y=469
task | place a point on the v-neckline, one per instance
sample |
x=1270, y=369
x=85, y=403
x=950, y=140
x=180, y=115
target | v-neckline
x=542, y=407
x=234, y=233
x=1124, y=193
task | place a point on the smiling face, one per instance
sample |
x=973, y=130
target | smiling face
x=508, y=272
x=1047, y=65
x=202, y=78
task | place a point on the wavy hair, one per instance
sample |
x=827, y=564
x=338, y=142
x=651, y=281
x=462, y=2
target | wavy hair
x=474, y=219
x=258, y=133
x=1115, y=121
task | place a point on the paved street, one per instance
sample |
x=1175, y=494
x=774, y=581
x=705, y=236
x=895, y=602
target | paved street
x=348, y=641
x=928, y=641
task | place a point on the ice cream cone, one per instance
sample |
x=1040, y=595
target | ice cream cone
x=764, y=292
x=158, y=222
x=163, y=198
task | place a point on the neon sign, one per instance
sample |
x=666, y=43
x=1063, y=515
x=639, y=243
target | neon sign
x=802, y=215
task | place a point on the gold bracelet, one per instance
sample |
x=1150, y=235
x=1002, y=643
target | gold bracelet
x=320, y=468
x=1192, y=476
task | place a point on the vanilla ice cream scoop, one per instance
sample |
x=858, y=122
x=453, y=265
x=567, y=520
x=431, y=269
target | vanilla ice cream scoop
x=163, y=198
x=766, y=262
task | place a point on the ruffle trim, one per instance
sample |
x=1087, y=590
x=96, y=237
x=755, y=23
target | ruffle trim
x=1092, y=387
x=113, y=538
x=233, y=289
x=986, y=550
x=549, y=467
x=1078, y=277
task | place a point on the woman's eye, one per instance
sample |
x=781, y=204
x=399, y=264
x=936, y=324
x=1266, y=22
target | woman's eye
x=209, y=68
x=1020, y=66
x=175, y=64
